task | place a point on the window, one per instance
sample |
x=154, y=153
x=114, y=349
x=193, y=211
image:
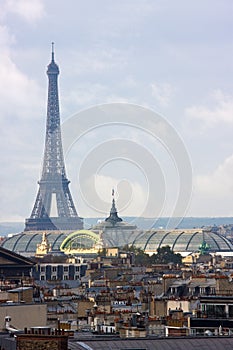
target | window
x=215, y=310
x=42, y=278
x=65, y=268
x=54, y=268
x=42, y=269
x=76, y=268
x=65, y=277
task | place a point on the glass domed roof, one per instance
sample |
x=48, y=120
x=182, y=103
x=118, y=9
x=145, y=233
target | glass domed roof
x=179, y=240
x=182, y=241
x=26, y=243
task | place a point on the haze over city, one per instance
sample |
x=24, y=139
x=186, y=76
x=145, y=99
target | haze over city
x=174, y=58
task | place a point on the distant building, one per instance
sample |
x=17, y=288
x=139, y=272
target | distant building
x=59, y=271
x=114, y=232
x=183, y=241
x=14, y=266
x=105, y=234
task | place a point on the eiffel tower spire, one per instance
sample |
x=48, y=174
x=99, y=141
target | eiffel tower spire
x=54, y=208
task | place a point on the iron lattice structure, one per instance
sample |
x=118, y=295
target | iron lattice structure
x=54, y=207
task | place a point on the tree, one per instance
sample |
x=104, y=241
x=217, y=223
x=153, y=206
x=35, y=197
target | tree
x=141, y=258
x=165, y=256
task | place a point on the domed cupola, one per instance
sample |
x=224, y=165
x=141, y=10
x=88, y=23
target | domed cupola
x=113, y=217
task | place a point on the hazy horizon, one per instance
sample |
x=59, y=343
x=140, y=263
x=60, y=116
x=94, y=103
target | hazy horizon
x=142, y=223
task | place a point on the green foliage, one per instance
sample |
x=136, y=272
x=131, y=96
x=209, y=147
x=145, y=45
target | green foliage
x=164, y=256
x=133, y=249
x=141, y=258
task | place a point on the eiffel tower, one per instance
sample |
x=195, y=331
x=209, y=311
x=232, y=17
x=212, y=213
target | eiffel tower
x=54, y=208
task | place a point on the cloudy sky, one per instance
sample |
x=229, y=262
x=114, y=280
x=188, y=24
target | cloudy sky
x=171, y=57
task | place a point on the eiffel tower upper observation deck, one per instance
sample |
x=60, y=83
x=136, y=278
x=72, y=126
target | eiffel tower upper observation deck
x=54, y=208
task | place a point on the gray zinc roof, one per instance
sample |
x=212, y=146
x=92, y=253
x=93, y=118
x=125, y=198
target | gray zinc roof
x=154, y=344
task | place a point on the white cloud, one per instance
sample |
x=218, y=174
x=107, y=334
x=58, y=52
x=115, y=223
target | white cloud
x=125, y=19
x=163, y=93
x=213, y=192
x=220, y=182
x=20, y=95
x=20, y=106
x=131, y=197
x=85, y=95
x=221, y=110
x=98, y=60
x=88, y=95
x=5, y=37
x=16, y=90
x=106, y=53
x=29, y=10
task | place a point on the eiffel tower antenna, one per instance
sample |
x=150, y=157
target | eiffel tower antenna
x=52, y=50
x=54, y=207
